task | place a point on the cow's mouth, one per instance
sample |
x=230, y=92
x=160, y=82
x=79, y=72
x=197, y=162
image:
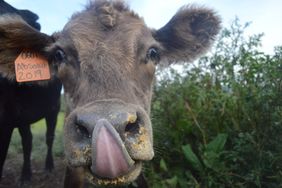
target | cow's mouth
x=132, y=174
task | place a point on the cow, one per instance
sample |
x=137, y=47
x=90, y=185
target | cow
x=106, y=58
x=22, y=105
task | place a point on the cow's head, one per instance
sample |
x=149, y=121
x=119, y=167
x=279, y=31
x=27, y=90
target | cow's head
x=106, y=58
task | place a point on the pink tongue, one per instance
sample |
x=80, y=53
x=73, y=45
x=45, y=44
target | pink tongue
x=110, y=158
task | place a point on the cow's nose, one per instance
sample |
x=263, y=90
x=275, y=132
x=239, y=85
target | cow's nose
x=125, y=123
x=110, y=158
x=108, y=137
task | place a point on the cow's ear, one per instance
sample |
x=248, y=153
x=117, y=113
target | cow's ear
x=188, y=34
x=15, y=36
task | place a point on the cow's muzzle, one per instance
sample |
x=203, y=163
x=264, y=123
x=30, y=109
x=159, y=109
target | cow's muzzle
x=110, y=138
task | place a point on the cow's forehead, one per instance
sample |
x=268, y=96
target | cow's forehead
x=87, y=30
x=124, y=41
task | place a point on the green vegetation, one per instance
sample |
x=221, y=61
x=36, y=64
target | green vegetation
x=218, y=123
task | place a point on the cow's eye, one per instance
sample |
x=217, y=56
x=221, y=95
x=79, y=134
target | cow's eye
x=60, y=55
x=153, y=55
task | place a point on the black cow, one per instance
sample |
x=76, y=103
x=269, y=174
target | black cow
x=25, y=104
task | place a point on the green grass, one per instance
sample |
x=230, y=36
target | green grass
x=39, y=148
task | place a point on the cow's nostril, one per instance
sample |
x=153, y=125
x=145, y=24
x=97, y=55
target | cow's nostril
x=132, y=128
x=82, y=131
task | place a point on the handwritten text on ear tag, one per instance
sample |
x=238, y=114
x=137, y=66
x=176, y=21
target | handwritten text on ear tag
x=31, y=66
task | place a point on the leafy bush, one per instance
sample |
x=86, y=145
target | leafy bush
x=218, y=123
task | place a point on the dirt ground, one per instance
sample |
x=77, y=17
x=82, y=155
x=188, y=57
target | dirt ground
x=40, y=178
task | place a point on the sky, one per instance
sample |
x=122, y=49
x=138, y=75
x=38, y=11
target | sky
x=265, y=15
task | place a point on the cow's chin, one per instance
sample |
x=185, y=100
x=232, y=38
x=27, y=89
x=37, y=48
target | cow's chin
x=122, y=180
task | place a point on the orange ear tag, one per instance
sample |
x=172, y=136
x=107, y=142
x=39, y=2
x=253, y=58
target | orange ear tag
x=31, y=66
